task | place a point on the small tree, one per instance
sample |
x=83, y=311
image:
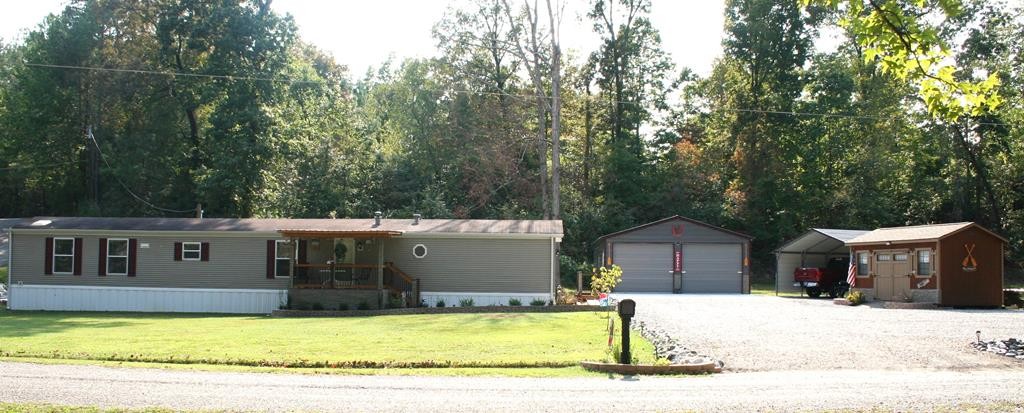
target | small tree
x=604, y=279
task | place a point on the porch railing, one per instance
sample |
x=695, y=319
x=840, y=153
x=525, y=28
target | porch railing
x=403, y=284
x=358, y=276
x=342, y=276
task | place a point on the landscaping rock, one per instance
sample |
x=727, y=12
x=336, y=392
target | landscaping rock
x=669, y=348
x=1011, y=347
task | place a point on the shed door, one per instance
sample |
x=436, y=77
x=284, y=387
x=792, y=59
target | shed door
x=712, y=268
x=646, y=268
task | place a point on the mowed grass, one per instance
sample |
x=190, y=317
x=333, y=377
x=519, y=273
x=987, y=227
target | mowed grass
x=496, y=340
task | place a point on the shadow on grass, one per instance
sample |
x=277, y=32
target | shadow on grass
x=29, y=323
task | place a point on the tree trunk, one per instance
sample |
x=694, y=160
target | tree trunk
x=542, y=155
x=556, y=115
x=588, y=139
x=982, y=176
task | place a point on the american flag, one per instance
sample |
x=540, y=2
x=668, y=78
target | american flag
x=851, y=275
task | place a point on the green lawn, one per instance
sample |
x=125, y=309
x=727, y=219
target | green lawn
x=768, y=288
x=498, y=340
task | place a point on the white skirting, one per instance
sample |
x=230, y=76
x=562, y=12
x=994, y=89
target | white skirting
x=453, y=299
x=176, y=300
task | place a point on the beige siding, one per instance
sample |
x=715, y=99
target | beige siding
x=475, y=265
x=235, y=262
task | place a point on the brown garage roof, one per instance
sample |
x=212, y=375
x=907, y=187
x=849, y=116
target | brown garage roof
x=931, y=232
x=388, y=225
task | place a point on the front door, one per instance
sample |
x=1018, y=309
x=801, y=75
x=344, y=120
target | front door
x=891, y=269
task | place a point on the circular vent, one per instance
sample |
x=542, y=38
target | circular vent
x=419, y=251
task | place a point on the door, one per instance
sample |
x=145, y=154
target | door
x=712, y=268
x=646, y=268
x=892, y=269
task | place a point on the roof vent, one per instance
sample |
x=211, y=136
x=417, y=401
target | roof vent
x=416, y=219
x=376, y=218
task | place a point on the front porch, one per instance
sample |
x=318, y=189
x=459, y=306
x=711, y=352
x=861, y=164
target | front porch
x=332, y=270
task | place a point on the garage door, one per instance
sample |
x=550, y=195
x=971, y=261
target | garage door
x=712, y=268
x=645, y=267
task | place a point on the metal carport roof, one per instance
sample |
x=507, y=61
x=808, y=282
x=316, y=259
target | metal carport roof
x=820, y=240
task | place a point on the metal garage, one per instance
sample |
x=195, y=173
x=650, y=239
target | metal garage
x=680, y=255
x=812, y=249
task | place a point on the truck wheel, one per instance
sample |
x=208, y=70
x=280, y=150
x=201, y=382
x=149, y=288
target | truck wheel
x=835, y=291
x=813, y=292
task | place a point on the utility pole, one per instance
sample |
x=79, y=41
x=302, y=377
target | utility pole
x=555, y=20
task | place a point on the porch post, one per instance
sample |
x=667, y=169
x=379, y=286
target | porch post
x=380, y=270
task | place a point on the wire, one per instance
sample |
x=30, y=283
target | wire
x=126, y=188
x=467, y=92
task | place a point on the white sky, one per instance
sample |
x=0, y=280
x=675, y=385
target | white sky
x=362, y=33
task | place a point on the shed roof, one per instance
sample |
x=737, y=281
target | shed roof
x=932, y=232
x=671, y=218
x=387, y=225
x=820, y=240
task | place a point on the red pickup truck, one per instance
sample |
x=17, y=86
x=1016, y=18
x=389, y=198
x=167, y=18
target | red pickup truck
x=831, y=280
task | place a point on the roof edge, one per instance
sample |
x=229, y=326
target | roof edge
x=663, y=220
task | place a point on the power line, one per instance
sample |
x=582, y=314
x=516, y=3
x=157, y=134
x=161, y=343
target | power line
x=467, y=92
x=126, y=188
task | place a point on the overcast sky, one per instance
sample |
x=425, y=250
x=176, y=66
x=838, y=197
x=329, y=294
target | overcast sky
x=363, y=33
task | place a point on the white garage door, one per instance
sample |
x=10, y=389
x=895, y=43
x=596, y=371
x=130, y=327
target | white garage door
x=712, y=268
x=645, y=267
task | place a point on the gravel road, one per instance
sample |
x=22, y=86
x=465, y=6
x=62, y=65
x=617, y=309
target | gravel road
x=768, y=333
x=758, y=391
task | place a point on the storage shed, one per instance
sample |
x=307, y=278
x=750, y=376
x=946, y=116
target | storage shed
x=812, y=249
x=959, y=264
x=678, y=255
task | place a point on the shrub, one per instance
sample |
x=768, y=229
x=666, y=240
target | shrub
x=1012, y=298
x=604, y=279
x=466, y=302
x=855, y=298
x=538, y=302
x=318, y=307
x=514, y=302
x=396, y=302
x=343, y=307
x=439, y=303
x=363, y=305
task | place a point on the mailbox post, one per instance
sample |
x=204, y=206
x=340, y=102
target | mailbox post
x=626, y=308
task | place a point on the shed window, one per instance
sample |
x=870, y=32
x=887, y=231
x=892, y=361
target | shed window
x=899, y=257
x=884, y=257
x=862, y=263
x=63, y=255
x=924, y=262
x=117, y=257
x=283, y=259
x=191, y=251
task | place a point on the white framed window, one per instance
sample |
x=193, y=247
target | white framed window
x=419, y=251
x=284, y=252
x=191, y=251
x=63, y=255
x=862, y=264
x=117, y=256
x=899, y=257
x=924, y=263
x=883, y=257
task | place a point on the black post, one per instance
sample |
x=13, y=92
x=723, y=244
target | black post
x=627, y=308
x=625, y=357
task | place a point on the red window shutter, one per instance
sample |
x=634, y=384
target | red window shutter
x=103, y=257
x=133, y=249
x=302, y=251
x=177, y=251
x=204, y=251
x=270, y=258
x=78, y=256
x=48, y=265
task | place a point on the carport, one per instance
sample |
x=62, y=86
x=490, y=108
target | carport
x=812, y=249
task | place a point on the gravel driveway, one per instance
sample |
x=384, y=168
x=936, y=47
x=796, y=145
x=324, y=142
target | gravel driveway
x=766, y=333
